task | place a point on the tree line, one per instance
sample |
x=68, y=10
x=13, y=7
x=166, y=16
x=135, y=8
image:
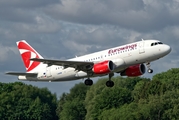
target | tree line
x=135, y=98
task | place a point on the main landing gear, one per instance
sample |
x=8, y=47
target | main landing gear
x=109, y=83
x=88, y=82
x=149, y=70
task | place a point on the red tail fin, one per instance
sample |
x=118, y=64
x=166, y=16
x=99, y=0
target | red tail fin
x=27, y=52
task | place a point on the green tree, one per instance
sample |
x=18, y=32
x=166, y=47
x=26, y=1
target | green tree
x=130, y=98
x=71, y=105
x=100, y=98
x=20, y=101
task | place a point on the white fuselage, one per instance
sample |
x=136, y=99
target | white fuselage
x=122, y=56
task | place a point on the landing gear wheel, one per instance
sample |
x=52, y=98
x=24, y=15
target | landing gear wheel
x=150, y=71
x=88, y=82
x=148, y=66
x=109, y=83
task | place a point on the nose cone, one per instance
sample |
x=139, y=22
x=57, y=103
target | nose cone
x=166, y=49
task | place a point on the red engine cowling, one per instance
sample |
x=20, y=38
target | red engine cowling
x=134, y=71
x=104, y=67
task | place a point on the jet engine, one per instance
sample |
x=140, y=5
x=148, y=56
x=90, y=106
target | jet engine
x=104, y=67
x=133, y=71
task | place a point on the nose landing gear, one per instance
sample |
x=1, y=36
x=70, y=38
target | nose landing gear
x=149, y=69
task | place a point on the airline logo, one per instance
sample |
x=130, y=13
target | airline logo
x=27, y=53
x=127, y=47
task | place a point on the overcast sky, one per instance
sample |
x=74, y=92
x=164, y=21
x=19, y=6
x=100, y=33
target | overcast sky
x=62, y=29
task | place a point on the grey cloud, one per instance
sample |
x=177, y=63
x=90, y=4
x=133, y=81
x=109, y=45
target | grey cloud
x=6, y=52
x=22, y=10
x=16, y=15
x=27, y=4
x=138, y=15
x=43, y=25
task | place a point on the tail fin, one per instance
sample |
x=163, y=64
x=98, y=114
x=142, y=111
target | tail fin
x=27, y=52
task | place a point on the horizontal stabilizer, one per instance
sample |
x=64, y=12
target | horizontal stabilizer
x=24, y=74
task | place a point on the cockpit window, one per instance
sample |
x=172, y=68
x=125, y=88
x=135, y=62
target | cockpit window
x=156, y=43
x=160, y=43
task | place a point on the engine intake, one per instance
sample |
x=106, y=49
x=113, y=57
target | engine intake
x=104, y=67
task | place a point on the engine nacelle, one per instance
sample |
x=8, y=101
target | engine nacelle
x=134, y=71
x=104, y=67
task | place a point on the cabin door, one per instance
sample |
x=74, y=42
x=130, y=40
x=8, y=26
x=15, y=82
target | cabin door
x=141, y=47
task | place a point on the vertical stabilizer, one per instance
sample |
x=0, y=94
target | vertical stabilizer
x=27, y=52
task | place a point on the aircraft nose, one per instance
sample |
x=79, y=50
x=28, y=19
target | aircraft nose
x=167, y=49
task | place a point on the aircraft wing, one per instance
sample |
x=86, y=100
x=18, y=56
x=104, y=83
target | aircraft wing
x=20, y=73
x=79, y=65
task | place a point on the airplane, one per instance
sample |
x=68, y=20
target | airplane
x=128, y=60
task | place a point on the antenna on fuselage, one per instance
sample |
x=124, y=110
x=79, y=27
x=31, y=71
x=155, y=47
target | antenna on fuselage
x=142, y=39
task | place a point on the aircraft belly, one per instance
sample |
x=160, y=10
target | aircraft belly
x=25, y=78
x=65, y=75
x=81, y=74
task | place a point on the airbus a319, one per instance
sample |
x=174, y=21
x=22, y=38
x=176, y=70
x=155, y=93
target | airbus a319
x=127, y=60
